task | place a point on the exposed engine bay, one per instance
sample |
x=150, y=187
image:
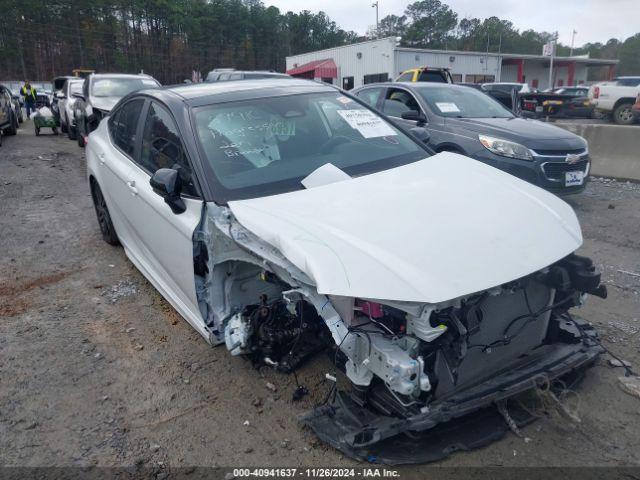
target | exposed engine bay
x=411, y=365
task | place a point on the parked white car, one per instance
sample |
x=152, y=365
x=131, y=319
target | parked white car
x=66, y=101
x=284, y=217
x=616, y=98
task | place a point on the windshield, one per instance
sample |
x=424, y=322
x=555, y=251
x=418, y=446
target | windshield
x=76, y=87
x=267, y=146
x=462, y=102
x=119, y=87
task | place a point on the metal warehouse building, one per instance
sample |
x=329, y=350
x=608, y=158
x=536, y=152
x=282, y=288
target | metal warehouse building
x=383, y=59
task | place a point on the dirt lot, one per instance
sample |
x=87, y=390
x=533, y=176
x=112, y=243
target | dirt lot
x=97, y=369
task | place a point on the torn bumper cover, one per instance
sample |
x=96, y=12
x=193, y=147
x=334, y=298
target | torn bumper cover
x=464, y=421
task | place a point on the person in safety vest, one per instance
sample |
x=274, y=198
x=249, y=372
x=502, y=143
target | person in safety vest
x=29, y=94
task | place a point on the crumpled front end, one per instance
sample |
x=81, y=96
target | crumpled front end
x=412, y=367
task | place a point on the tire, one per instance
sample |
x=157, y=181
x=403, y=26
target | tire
x=37, y=131
x=71, y=132
x=107, y=229
x=623, y=114
x=20, y=116
x=13, y=128
x=80, y=137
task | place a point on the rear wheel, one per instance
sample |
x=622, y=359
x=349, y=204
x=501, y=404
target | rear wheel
x=37, y=131
x=13, y=128
x=104, y=218
x=623, y=114
x=71, y=131
x=80, y=136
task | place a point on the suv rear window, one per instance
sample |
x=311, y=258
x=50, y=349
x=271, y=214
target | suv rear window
x=433, y=76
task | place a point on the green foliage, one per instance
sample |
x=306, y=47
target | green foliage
x=170, y=38
x=165, y=38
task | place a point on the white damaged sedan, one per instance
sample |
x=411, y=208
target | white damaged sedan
x=283, y=218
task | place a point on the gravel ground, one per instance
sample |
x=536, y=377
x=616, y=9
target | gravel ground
x=97, y=369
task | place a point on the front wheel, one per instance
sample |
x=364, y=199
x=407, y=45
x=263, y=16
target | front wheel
x=623, y=114
x=107, y=229
x=80, y=136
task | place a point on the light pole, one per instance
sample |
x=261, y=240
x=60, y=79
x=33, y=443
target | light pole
x=573, y=37
x=375, y=4
x=553, y=52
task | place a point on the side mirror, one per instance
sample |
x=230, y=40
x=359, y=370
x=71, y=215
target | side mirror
x=421, y=134
x=167, y=183
x=78, y=96
x=415, y=116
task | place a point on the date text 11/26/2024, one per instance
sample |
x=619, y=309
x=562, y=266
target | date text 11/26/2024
x=316, y=472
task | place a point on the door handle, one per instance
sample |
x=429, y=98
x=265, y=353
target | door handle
x=132, y=186
x=101, y=158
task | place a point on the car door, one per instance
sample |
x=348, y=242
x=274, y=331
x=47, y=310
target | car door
x=114, y=153
x=63, y=101
x=397, y=101
x=3, y=107
x=165, y=239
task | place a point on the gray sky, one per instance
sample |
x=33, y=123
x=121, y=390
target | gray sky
x=594, y=20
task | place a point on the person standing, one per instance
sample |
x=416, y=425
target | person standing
x=29, y=95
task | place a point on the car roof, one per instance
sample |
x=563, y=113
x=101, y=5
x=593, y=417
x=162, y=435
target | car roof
x=417, y=85
x=205, y=93
x=120, y=75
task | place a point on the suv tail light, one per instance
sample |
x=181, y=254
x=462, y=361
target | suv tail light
x=596, y=92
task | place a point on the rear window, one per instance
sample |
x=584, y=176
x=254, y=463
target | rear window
x=120, y=86
x=432, y=76
x=628, y=82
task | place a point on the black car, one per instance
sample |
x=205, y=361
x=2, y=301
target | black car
x=228, y=74
x=8, y=116
x=17, y=103
x=467, y=121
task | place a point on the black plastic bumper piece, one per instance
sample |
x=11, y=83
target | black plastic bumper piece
x=465, y=421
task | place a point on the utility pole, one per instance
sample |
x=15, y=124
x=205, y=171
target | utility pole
x=375, y=4
x=553, y=52
x=573, y=37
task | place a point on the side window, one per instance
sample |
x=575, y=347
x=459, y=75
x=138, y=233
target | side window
x=235, y=76
x=162, y=148
x=405, y=77
x=370, y=96
x=399, y=101
x=124, y=124
x=223, y=77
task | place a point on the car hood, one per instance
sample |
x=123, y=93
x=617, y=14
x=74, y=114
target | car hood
x=104, y=103
x=530, y=133
x=430, y=231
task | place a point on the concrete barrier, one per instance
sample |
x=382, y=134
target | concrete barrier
x=614, y=149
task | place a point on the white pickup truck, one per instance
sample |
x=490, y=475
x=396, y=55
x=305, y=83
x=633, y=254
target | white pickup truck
x=616, y=98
